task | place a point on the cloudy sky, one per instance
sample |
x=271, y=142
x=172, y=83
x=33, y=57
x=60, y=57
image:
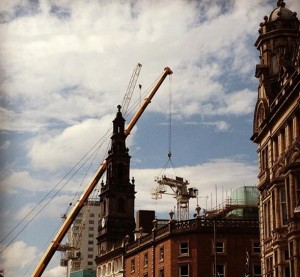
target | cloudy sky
x=65, y=66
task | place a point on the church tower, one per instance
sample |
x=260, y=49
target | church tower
x=117, y=193
x=276, y=131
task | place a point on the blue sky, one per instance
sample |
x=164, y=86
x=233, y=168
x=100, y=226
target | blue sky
x=65, y=66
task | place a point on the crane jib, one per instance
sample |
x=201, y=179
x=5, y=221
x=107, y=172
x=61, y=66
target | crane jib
x=44, y=261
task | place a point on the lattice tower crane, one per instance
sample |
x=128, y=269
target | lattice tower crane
x=180, y=191
x=72, y=249
x=130, y=89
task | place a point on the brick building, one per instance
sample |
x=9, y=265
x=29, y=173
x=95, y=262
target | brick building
x=226, y=244
x=197, y=247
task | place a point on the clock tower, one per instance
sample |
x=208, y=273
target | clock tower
x=117, y=193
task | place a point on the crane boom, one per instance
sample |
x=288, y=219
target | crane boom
x=44, y=261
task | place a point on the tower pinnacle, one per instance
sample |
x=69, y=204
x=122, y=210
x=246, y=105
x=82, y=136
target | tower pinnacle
x=281, y=3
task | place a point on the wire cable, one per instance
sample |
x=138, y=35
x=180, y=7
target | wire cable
x=48, y=194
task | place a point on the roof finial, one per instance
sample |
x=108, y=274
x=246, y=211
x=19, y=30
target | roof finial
x=119, y=108
x=280, y=3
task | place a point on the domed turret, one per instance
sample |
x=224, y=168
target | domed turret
x=277, y=42
x=280, y=18
x=282, y=13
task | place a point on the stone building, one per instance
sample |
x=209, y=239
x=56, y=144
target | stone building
x=276, y=132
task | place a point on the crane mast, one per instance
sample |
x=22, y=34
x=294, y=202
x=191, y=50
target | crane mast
x=54, y=245
x=180, y=191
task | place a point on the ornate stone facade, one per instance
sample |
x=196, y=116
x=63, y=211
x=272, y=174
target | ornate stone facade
x=276, y=131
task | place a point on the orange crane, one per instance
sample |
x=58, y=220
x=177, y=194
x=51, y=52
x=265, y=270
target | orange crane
x=54, y=245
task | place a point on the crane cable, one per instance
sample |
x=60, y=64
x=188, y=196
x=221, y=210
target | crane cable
x=169, y=160
x=103, y=138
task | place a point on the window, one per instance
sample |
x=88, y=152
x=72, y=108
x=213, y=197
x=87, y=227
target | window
x=91, y=221
x=161, y=272
x=161, y=253
x=297, y=180
x=275, y=148
x=145, y=259
x=256, y=247
x=264, y=159
x=220, y=247
x=145, y=275
x=184, y=248
x=90, y=242
x=257, y=270
x=267, y=220
x=132, y=265
x=220, y=270
x=91, y=235
x=269, y=266
x=283, y=207
x=287, y=271
x=91, y=228
x=90, y=256
x=184, y=270
x=92, y=215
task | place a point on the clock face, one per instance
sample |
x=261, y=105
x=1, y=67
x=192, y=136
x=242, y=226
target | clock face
x=103, y=222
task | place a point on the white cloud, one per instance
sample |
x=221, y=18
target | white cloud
x=228, y=174
x=221, y=126
x=56, y=272
x=16, y=181
x=52, y=151
x=66, y=69
x=13, y=257
x=238, y=103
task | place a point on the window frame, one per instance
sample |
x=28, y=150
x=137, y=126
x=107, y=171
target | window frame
x=180, y=267
x=255, y=274
x=161, y=253
x=256, y=248
x=184, y=250
x=223, y=269
x=146, y=260
x=220, y=249
x=132, y=265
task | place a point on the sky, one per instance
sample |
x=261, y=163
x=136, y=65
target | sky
x=65, y=66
